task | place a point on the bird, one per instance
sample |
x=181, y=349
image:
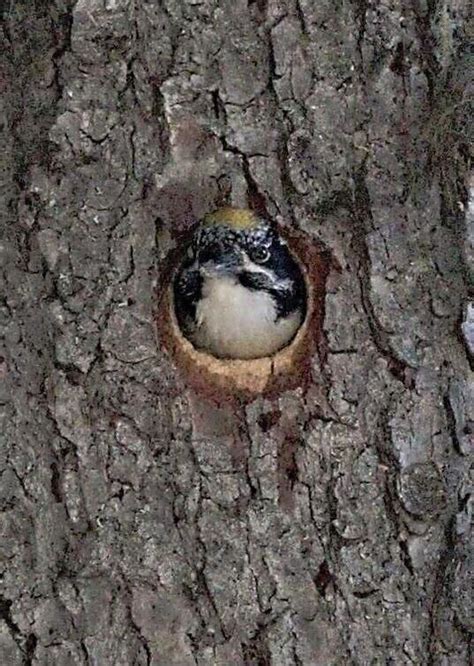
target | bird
x=239, y=293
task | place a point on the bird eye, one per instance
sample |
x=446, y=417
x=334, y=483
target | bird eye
x=260, y=255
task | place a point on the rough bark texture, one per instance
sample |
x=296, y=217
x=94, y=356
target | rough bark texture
x=141, y=524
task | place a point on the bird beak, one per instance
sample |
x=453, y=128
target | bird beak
x=212, y=269
x=219, y=267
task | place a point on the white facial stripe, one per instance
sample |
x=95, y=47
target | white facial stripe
x=252, y=267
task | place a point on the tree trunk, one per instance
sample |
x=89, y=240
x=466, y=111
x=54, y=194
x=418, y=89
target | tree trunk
x=142, y=523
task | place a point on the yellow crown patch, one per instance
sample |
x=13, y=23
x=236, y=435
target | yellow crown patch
x=237, y=218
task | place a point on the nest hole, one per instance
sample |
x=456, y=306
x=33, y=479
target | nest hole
x=221, y=379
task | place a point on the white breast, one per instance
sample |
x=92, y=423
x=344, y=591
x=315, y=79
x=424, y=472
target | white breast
x=235, y=322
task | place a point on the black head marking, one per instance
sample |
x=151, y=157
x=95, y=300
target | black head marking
x=285, y=282
x=282, y=277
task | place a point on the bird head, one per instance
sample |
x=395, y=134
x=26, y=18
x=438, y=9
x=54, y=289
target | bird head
x=234, y=246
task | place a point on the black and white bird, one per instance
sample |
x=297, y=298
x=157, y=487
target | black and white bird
x=239, y=293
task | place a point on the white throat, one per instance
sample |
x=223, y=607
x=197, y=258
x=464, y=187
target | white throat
x=236, y=322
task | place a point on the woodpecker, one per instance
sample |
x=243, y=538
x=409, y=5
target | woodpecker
x=239, y=293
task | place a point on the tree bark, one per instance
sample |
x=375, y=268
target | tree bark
x=141, y=523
